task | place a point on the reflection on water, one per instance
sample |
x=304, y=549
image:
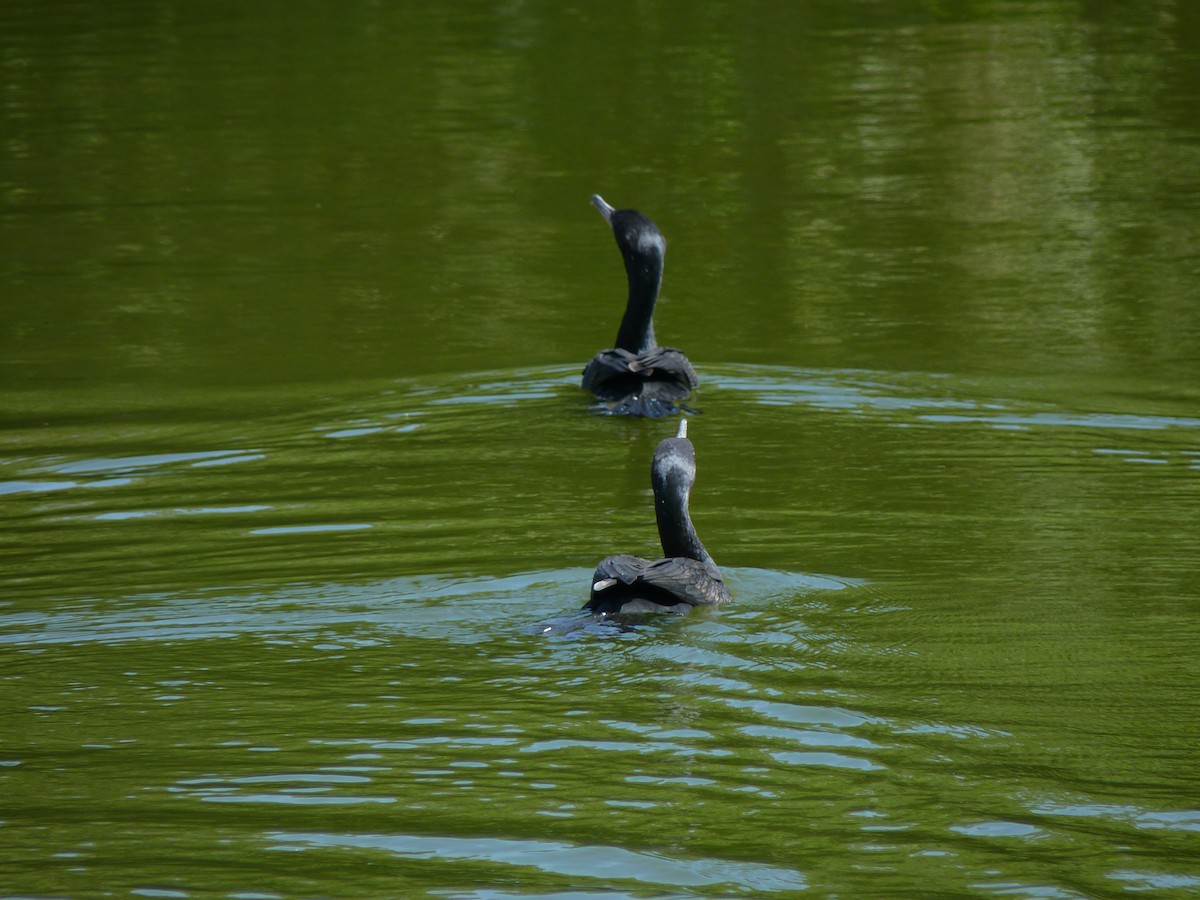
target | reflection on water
x=299, y=494
x=353, y=628
x=612, y=864
x=441, y=608
x=999, y=189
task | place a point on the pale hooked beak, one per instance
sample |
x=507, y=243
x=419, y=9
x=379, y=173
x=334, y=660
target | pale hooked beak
x=605, y=210
x=682, y=429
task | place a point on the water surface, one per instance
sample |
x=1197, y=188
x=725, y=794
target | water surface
x=299, y=497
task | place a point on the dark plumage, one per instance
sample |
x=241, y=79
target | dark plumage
x=637, y=377
x=688, y=577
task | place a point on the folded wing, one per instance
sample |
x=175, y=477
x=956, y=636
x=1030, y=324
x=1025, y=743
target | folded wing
x=624, y=579
x=647, y=383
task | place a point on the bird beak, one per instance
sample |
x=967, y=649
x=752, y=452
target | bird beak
x=605, y=210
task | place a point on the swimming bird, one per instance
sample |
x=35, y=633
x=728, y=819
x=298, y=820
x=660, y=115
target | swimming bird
x=688, y=577
x=638, y=377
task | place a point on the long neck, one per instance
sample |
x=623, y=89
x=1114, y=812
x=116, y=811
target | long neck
x=675, y=528
x=637, y=325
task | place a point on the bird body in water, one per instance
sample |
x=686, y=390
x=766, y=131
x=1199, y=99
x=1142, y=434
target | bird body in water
x=687, y=577
x=637, y=377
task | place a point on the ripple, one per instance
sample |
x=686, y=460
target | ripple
x=291, y=799
x=1071, y=420
x=999, y=830
x=313, y=529
x=1167, y=820
x=1156, y=881
x=930, y=396
x=640, y=747
x=605, y=863
x=118, y=516
x=143, y=462
x=32, y=487
x=808, y=738
x=847, y=389
x=807, y=715
x=446, y=607
x=835, y=760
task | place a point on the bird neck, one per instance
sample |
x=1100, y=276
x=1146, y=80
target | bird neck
x=637, y=325
x=675, y=528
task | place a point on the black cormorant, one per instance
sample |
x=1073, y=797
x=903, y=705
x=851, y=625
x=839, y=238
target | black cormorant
x=688, y=576
x=638, y=377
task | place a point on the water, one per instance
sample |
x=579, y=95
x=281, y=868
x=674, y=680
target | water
x=300, y=497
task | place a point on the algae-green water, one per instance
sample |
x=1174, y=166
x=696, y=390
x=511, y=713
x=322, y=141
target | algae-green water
x=299, y=495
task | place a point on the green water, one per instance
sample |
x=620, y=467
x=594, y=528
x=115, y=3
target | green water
x=299, y=496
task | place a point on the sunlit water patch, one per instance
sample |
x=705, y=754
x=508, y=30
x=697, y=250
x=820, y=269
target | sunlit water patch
x=612, y=867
